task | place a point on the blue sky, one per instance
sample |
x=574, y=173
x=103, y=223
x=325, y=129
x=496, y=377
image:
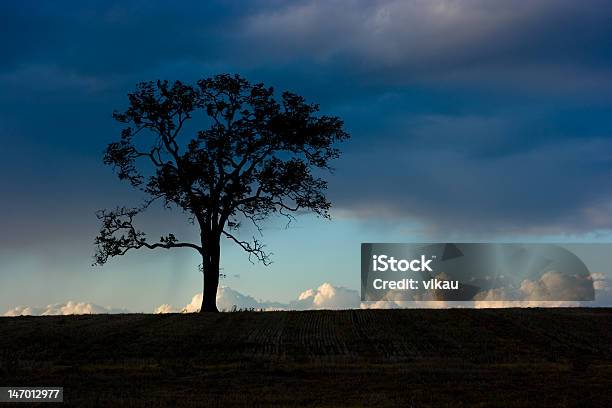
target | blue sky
x=471, y=120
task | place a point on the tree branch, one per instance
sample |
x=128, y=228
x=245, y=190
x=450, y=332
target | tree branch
x=118, y=235
x=255, y=248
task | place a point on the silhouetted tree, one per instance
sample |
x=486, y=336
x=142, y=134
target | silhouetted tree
x=254, y=157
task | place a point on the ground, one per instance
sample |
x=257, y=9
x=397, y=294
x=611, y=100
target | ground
x=376, y=358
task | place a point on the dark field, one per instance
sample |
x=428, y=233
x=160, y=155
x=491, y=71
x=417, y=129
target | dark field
x=377, y=358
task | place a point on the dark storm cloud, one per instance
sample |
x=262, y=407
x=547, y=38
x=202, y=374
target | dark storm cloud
x=461, y=40
x=558, y=42
x=492, y=115
x=548, y=190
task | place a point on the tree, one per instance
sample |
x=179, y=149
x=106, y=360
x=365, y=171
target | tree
x=257, y=155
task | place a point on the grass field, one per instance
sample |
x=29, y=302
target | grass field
x=377, y=358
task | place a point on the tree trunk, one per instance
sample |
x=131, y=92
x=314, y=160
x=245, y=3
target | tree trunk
x=211, y=280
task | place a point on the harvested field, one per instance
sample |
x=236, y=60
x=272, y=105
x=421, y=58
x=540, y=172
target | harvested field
x=454, y=358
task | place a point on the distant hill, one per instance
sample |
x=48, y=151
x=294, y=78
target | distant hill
x=378, y=358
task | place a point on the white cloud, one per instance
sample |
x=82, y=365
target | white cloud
x=329, y=296
x=24, y=311
x=530, y=294
x=543, y=292
x=165, y=308
x=603, y=290
x=68, y=308
x=326, y=296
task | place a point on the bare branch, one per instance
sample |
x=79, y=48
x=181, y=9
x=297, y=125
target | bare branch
x=118, y=235
x=254, y=248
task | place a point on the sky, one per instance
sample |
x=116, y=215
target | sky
x=471, y=120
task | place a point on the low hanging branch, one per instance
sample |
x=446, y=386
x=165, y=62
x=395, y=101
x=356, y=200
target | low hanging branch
x=118, y=235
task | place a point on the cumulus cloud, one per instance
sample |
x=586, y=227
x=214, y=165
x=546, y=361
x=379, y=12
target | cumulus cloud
x=329, y=296
x=227, y=299
x=165, y=308
x=552, y=286
x=326, y=296
x=603, y=290
x=68, y=308
x=561, y=286
x=540, y=292
x=543, y=292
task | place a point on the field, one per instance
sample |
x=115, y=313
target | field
x=377, y=358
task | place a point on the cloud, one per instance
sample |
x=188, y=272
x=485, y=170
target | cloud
x=326, y=296
x=165, y=308
x=562, y=286
x=551, y=286
x=458, y=184
x=394, y=41
x=227, y=299
x=35, y=77
x=603, y=290
x=331, y=297
x=448, y=40
x=500, y=171
x=68, y=308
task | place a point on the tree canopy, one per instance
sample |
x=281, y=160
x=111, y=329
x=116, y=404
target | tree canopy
x=224, y=151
